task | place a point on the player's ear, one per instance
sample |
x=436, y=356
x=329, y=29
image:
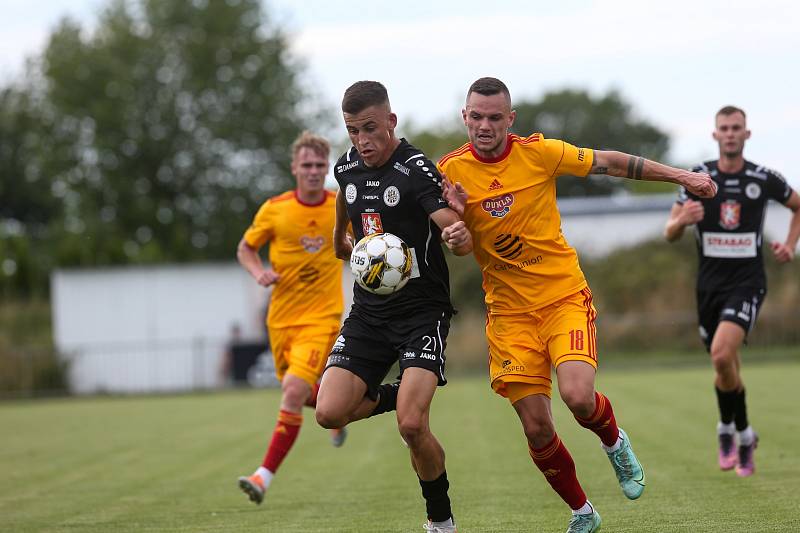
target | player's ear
x=714, y=135
x=746, y=134
x=392, y=121
x=464, y=115
x=511, y=117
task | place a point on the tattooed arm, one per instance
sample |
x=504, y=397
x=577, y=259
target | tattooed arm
x=638, y=168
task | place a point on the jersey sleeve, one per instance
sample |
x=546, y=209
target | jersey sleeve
x=777, y=187
x=427, y=184
x=262, y=229
x=562, y=158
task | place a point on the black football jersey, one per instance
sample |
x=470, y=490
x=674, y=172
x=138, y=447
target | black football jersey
x=729, y=238
x=398, y=198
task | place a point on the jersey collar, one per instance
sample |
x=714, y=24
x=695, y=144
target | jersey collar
x=492, y=159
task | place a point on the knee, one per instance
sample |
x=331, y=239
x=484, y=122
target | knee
x=722, y=356
x=295, y=393
x=539, y=431
x=579, y=400
x=412, y=428
x=329, y=419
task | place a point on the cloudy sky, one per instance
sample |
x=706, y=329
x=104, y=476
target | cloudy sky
x=675, y=62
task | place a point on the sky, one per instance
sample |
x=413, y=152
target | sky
x=675, y=62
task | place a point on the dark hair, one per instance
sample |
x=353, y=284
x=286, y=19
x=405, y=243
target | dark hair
x=488, y=87
x=730, y=110
x=363, y=94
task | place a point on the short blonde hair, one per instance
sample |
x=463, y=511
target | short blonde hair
x=313, y=142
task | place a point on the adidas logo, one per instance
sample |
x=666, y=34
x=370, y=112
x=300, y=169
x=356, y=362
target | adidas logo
x=495, y=185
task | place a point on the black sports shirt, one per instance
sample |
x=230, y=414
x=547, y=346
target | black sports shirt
x=398, y=198
x=729, y=238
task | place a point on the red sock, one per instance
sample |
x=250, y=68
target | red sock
x=602, y=421
x=312, y=400
x=283, y=438
x=558, y=468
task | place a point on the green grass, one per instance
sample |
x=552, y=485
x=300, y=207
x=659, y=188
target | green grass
x=161, y=464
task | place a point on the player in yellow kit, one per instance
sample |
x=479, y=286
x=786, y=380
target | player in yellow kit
x=540, y=311
x=306, y=303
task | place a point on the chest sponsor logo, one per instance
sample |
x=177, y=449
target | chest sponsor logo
x=508, y=246
x=311, y=244
x=729, y=245
x=373, y=183
x=402, y=168
x=350, y=193
x=369, y=196
x=730, y=211
x=308, y=274
x=499, y=206
x=371, y=223
x=753, y=191
x=391, y=196
x=348, y=166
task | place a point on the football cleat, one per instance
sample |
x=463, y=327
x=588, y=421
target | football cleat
x=727, y=451
x=584, y=523
x=747, y=466
x=627, y=468
x=430, y=528
x=338, y=436
x=253, y=486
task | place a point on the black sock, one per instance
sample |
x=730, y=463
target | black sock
x=727, y=405
x=387, y=398
x=741, y=412
x=437, y=502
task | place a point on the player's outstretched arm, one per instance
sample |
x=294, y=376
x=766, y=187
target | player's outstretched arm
x=248, y=257
x=454, y=232
x=784, y=251
x=638, y=168
x=342, y=243
x=682, y=215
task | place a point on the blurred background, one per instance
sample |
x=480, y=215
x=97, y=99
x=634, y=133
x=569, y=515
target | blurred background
x=139, y=137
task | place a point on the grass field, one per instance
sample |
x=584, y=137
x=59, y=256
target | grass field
x=160, y=464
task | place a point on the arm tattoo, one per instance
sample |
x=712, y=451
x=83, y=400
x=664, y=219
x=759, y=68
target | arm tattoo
x=600, y=170
x=635, y=167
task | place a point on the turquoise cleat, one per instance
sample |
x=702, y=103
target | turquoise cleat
x=584, y=523
x=628, y=469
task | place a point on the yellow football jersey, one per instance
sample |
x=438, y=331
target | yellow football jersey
x=300, y=250
x=512, y=214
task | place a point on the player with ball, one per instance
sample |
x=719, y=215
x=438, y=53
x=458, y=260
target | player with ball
x=391, y=194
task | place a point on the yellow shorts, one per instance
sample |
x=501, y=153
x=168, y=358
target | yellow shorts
x=302, y=350
x=524, y=347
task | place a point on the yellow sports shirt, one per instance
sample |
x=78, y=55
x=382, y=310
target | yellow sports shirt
x=512, y=214
x=300, y=250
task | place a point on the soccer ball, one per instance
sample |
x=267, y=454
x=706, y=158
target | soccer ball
x=381, y=263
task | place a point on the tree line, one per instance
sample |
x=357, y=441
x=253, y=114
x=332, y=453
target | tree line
x=156, y=136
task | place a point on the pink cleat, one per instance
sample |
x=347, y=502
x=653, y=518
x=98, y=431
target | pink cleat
x=727, y=451
x=747, y=466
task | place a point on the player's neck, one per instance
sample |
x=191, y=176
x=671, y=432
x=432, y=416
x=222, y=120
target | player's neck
x=730, y=165
x=310, y=197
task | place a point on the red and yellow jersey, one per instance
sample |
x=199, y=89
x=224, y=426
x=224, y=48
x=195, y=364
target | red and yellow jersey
x=300, y=250
x=512, y=214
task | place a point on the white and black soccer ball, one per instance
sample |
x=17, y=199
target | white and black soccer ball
x=381, y=263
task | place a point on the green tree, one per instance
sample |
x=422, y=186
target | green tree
x=155, y=137
x=604, y=123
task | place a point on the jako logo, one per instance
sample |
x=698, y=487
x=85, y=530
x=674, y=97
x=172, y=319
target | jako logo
x=498, y=206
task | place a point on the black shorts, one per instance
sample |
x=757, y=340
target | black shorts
x=368, y=346
x=739, y=306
